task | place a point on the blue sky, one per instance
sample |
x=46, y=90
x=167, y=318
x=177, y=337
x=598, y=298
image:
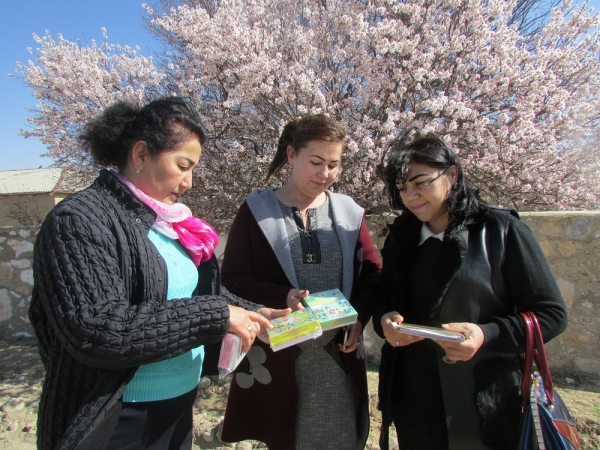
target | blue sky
x=76, y=20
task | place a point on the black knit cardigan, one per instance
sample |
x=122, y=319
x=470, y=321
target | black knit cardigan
x=99, y=310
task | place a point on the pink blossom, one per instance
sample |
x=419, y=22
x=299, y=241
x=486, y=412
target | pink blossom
x=522, y=114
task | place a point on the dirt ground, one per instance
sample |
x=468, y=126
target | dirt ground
x=21, y=376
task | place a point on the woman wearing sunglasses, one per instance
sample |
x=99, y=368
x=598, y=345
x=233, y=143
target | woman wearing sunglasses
x=451, y=261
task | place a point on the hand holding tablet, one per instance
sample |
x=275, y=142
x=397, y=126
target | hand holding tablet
x=429, y=332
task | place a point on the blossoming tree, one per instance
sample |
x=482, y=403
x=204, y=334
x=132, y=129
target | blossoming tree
x=521, y=109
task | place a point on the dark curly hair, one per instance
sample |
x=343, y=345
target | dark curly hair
x=413, y=146
x=163, y=124
x=299, y=132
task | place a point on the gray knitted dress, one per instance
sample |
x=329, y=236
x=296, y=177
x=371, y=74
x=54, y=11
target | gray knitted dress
x=326, y=413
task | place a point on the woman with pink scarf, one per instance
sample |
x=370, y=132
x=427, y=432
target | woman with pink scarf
x=127, y=289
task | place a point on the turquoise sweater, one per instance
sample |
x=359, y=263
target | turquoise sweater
x=176, y=376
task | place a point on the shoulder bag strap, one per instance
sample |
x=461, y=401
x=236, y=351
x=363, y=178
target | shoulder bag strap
x=528, y=367
x=540, y=358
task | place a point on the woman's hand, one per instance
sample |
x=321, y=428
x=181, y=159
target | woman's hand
x=392, y=335
x=294, y=299
x=270, y=314
x=246, y=324
x=462, y=351
x=353, y=340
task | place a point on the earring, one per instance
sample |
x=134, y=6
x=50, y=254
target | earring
x=138, y=171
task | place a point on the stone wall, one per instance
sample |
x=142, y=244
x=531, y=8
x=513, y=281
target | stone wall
x=571, y=243
x=16, y=280
x=570, y=240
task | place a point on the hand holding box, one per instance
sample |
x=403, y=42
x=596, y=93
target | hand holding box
x=296, y=327
x=332, y=308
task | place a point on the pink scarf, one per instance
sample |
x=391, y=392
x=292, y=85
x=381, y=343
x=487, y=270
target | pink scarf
x=176, y=222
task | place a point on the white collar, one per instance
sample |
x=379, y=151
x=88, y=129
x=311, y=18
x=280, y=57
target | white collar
x=426, y=233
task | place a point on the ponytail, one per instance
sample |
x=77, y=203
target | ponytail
x=280, y=158
x=102, y=135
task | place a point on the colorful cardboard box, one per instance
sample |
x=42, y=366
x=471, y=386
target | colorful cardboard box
x=331, y=308
x=296, y=327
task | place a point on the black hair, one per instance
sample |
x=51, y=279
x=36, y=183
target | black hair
x=163, y=124
x=413, y=146
x=299, y=132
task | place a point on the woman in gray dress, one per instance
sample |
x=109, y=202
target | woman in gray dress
x=285, y=243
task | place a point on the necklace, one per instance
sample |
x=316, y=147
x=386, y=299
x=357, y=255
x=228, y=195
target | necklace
x=311, y=248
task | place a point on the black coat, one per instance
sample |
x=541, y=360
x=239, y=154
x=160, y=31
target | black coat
x=485, y=273
x=99, y=310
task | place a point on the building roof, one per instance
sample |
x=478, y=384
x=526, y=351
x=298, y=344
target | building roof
x=34, y=181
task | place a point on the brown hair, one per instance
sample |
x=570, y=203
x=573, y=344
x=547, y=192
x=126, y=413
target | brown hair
x=299, y=132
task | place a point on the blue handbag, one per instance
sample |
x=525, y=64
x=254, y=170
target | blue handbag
x=545, y=421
